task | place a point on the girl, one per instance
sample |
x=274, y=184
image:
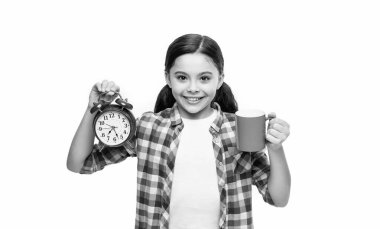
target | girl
x=190, y=173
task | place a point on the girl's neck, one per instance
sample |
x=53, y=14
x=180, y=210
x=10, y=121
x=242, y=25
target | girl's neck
x=200, y=115
x=210, y=118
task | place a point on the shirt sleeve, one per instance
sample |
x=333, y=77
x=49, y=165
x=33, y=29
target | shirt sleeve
x=261, y=172
x=99, y=158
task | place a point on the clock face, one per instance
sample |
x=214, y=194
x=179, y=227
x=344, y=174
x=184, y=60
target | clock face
x=112, y=128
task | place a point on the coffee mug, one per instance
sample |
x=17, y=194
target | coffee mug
x=250, y=130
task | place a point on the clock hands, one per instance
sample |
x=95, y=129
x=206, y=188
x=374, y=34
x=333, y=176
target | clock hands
x=115, y=132
x=112, y=128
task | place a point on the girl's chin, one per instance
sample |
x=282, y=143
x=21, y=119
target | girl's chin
x=195, y=111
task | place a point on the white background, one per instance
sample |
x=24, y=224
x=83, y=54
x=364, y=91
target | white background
x=314, y=63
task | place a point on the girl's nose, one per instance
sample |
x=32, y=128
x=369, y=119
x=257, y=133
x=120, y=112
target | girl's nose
x=192, y=88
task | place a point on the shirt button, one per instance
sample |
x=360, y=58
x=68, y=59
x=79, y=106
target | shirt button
x=216, y=140
x=221, y=164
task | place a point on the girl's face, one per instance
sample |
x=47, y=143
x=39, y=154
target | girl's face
x=194, y=80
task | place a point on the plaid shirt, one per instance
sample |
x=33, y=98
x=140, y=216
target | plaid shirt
x=155, y=145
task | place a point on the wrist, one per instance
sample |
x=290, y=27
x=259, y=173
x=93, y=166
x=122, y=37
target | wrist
x=88, y=112
x=89, y=106
x=275, y=147
x=88, y=109
x=276, y=154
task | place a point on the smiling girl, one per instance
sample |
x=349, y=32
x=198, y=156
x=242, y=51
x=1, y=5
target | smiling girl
x=190, y=173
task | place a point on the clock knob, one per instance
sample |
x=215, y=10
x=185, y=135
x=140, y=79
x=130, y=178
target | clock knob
x=124, y=104
x=98, y=106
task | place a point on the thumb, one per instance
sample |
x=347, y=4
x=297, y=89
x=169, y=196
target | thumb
x=271, y=115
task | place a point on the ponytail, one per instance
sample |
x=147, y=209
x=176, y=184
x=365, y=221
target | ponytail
x=224, y=97
x=165, y=99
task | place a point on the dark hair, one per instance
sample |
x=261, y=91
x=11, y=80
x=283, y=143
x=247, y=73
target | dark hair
x=191, y=43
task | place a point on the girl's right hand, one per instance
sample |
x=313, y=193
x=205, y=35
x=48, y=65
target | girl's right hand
x=105, y=89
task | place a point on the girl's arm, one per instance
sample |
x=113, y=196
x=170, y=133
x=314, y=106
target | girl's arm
x=82, y=143
x=83, y=140
x=279, y=180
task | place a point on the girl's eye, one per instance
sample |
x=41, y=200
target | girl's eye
x=205, y=78
x=181, y=77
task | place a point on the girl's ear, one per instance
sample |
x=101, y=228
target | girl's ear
x=167, y=78
x=221, y=80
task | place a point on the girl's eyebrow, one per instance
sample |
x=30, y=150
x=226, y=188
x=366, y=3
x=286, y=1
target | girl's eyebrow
x=206, y=72
x=184, y=73
x=180, y=72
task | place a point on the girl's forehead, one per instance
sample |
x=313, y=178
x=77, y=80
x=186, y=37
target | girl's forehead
x=193, y=61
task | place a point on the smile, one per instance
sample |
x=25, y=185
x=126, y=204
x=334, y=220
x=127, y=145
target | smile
x=193, y=99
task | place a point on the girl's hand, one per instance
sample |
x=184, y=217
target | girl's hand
x=98, y=90
x=277, y=132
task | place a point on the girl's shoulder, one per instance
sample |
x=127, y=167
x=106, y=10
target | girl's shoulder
x=226, y=121
x=164, y=114
x=229, y=117
x=155, y=118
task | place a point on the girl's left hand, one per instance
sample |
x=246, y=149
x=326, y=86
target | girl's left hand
x=277, y=132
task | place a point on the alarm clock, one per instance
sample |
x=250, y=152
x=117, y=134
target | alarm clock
x=114, y=124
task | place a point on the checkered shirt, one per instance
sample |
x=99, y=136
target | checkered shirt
x=155, y=145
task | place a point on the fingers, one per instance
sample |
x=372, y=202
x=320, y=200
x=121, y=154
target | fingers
x=279, y=121
x=273, y=139
x=275, y=136
x=105, y=90
x=278, y=130
x=108, y=87
x=115, y=88
x=98, y=86
x=282, y=128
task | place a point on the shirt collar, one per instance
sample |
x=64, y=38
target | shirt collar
x=175, y=117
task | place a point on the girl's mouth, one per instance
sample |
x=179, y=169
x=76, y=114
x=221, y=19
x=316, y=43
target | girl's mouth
x=193, y=99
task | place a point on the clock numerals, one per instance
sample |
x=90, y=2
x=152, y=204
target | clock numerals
x=112, y=128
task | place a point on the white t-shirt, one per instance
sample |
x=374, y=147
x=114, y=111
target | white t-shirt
x=194, y=202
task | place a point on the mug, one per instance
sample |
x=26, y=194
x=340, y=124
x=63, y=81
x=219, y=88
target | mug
x=250, y=130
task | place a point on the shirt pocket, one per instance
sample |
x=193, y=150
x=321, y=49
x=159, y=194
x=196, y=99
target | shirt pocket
x=240, y=160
